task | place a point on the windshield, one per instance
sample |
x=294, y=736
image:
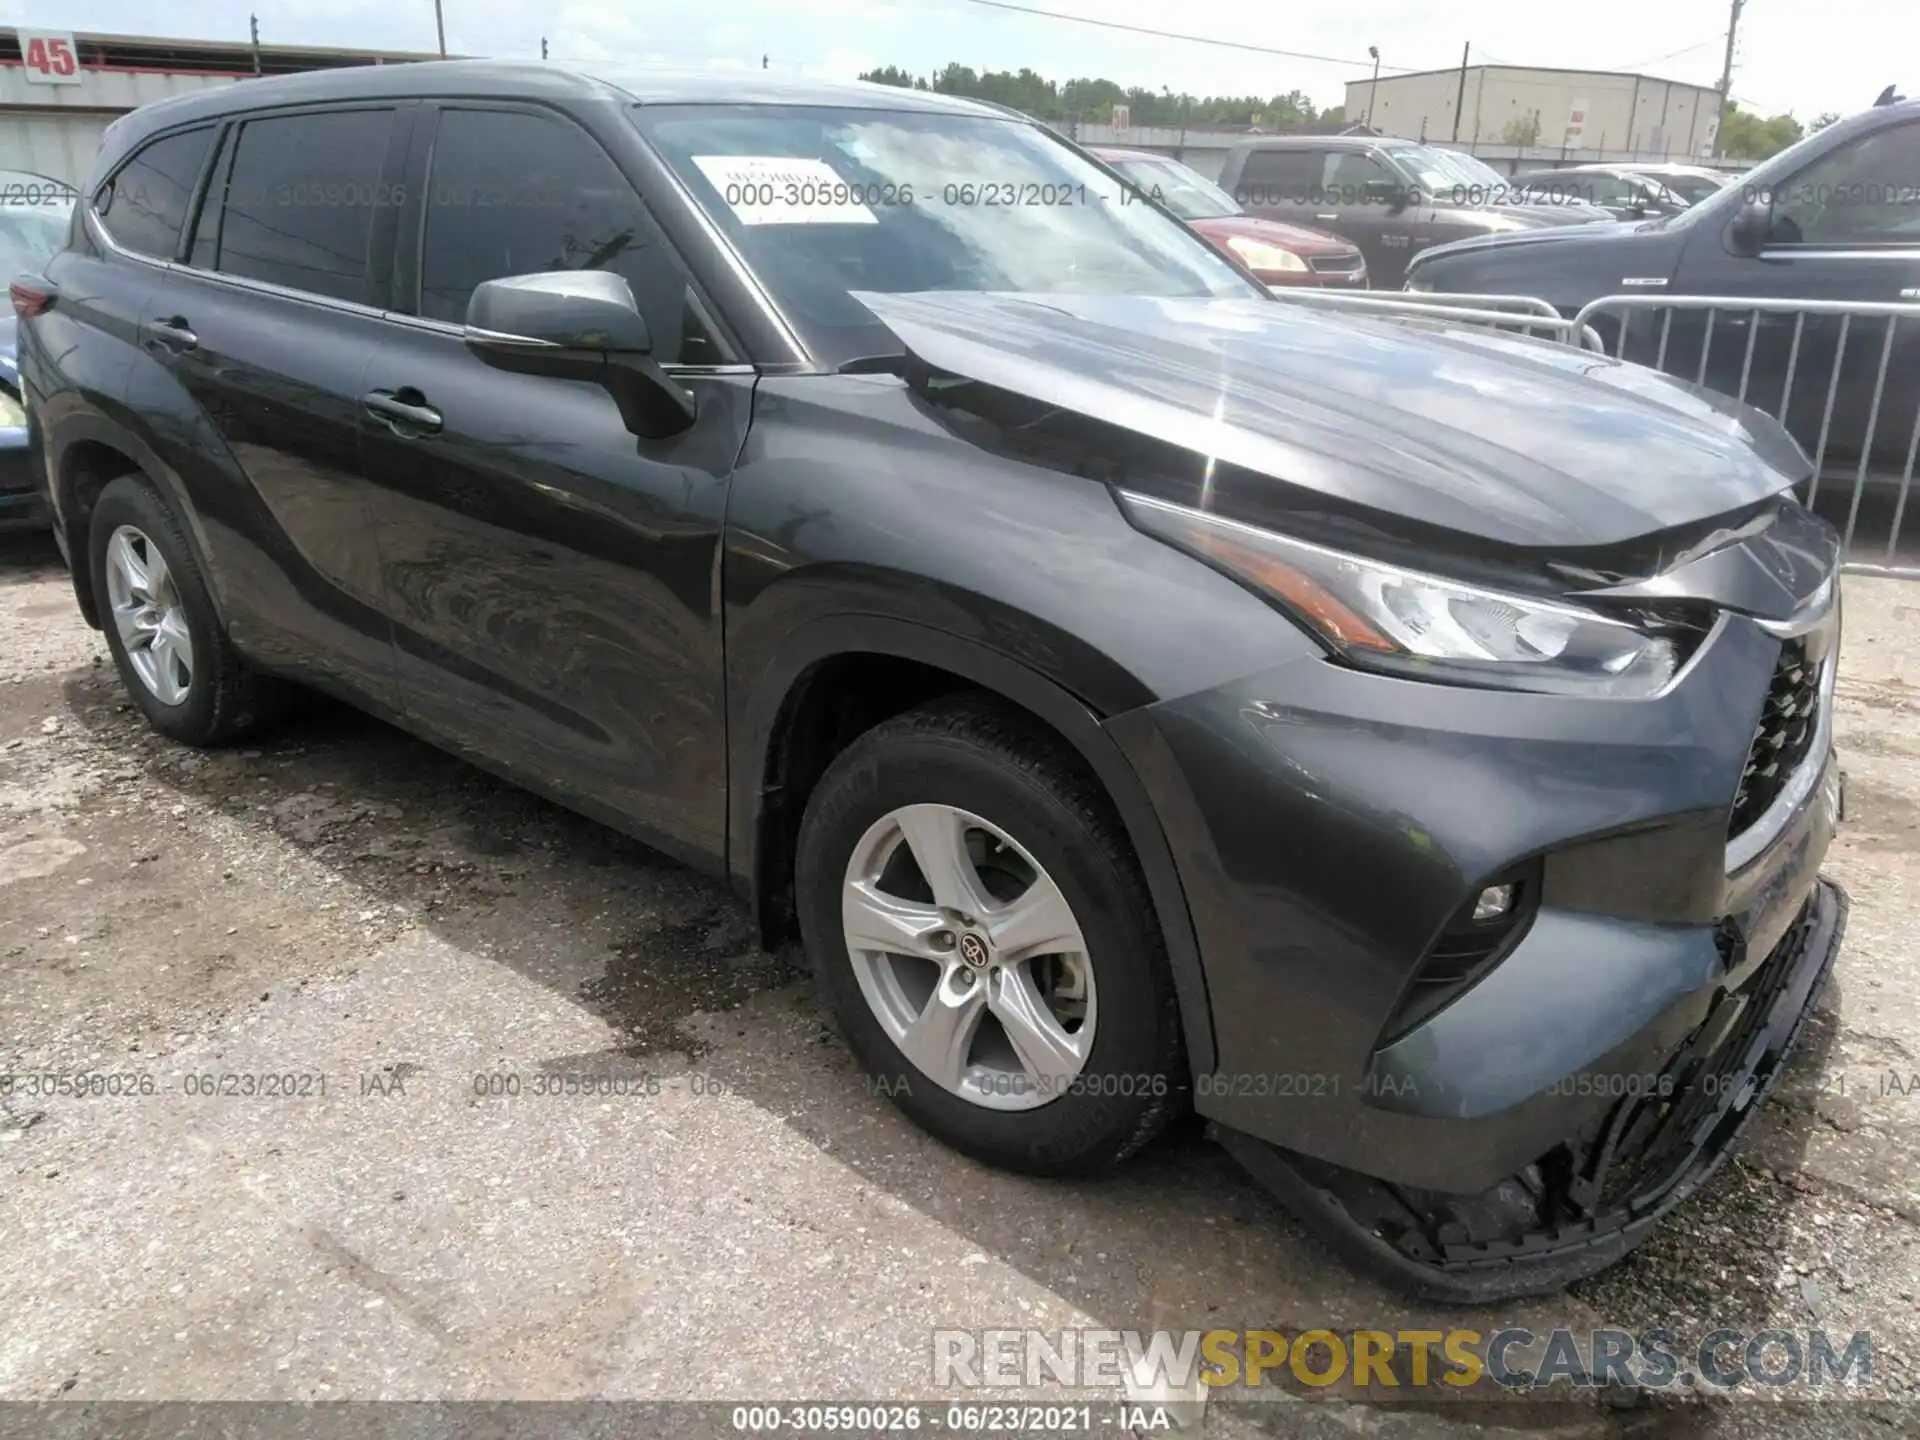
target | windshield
x=822, y=201
x=31, y=234
x=1432, y=168
x=1188, y=194
x=1457, y=177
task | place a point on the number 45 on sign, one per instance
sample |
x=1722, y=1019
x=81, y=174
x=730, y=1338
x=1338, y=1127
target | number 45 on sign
x=50, y=57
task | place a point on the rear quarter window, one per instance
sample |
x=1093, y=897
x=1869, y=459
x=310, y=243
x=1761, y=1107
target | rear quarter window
x=145, y=204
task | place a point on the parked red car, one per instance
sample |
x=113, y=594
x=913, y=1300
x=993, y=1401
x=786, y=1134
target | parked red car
x=1277, y=254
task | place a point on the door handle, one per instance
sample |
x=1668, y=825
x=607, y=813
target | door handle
x=1326, y=217
x=173, y=333
x=409, y=418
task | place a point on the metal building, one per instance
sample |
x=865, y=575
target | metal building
x=58, y=92
x=1585, y=114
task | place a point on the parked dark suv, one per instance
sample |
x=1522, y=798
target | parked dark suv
x=1834, y=218
x=1411, y=750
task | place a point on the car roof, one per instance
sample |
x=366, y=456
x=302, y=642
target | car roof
x=1667, y=167
x=527, y=80
x=1336, y=142
x=12, y=181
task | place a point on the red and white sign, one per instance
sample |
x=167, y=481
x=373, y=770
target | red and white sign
x=50, y=57
x=1576, y=124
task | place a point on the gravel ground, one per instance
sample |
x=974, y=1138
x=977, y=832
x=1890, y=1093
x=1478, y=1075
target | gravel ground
x=343, y=901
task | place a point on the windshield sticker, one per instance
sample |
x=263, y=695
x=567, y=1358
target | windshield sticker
x=785, y=190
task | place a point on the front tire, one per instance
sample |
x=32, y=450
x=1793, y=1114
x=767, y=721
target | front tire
x=983, y=931
x=168, y=644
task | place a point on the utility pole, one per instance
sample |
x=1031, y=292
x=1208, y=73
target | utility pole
x=763, y=62
x=1374, y=51
x=1726, y=80
x=440, y=26
x=253, y=28
x=543, y=47
x=1460, y=100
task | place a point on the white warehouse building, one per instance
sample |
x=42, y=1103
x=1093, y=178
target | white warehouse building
x=59, y=92
x=1585, y=114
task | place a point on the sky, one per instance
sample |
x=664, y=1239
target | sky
x=1793, y=55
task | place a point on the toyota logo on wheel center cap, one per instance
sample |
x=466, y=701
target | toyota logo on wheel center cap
x=973, y=950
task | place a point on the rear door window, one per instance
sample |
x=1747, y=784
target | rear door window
x=1279, y=177
x=145, y=204
x=299, y=202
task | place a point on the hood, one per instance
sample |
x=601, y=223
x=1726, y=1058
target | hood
x=1278, y=406
x=1586, y=232
x=1551, y=214
x=1297, y=238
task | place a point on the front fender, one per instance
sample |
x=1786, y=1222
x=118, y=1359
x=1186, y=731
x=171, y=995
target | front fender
x=753, y=731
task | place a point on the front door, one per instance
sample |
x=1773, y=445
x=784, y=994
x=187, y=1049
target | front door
x=552, y=580
x=1846, y=227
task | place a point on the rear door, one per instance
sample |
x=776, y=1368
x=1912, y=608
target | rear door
x=1846, y=227
x=87, y=342
x=552, y=580
x=267, y=326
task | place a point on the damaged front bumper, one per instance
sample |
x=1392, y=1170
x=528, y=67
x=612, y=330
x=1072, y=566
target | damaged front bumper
x=1591, y=1199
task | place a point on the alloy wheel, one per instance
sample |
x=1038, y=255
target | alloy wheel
x=970, y=957
x=149, y=616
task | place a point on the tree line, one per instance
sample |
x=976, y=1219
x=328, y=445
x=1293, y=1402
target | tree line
x=1093, y=100
x=1748, y=136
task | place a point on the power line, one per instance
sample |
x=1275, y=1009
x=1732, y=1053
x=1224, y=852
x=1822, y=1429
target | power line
x=1672, y=54
x=1191, y=39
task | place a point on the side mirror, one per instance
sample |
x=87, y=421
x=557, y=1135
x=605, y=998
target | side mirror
x=1394, y=196
x=1751, y=228
x=578, y=325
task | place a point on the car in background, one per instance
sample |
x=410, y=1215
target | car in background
x=1392, y=198
x=1692, y=183
x=1483, y=185
x=1834, y=218
x=35, y=213
x=1277, y=253
x=1623, y=193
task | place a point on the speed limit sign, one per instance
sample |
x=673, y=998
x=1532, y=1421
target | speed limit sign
x=50, y=57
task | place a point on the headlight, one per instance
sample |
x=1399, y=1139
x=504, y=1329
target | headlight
x=1419, y=284
x=1383, y=617
x=1257, y=255
x=12, y=417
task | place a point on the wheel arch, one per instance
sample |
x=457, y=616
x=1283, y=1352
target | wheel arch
x=765, y=803
x=89, y=454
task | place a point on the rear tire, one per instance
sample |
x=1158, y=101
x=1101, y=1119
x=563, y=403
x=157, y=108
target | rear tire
x=1054, y=1048
x=168, y=644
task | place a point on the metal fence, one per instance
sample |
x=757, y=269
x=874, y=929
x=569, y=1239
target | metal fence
x=1842, y=376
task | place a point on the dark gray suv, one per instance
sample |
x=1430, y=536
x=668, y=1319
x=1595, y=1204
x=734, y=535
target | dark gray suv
x=1410, y=750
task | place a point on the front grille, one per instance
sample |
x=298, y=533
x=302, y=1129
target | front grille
x=1336, y=264
x=1789, y=720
